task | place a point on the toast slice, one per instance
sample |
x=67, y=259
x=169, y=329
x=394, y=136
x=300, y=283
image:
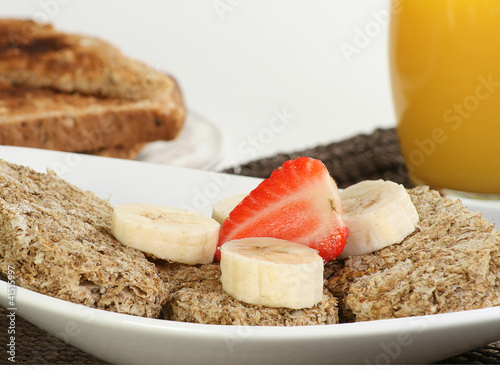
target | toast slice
x=37, y=55
x=58, y=240
x=76, y=93
x=196, y=295
x=48, y=119
x=450, y=263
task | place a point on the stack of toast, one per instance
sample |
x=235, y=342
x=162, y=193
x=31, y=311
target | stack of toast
x=58, y=238
x=80, y=94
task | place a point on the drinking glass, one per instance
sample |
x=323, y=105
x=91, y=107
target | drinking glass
x=445, y=75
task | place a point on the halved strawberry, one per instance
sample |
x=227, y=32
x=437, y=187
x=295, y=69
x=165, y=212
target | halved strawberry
x=299, y=202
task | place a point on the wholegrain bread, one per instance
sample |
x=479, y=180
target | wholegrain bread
x=196, y=295
x=450, y=263
x=47, y=119
x=58, y=240
x=76, y=93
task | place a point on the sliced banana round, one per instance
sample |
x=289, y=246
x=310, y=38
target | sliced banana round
x=222, y=208
x=272, y=272
x=378, y=213
x=166, y=232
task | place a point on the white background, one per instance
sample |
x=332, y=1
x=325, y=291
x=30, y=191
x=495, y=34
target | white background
x=324, y=62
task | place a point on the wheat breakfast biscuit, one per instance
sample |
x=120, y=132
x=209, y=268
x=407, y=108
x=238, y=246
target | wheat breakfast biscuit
x=196, y=295
x=58, y=240
x=450, y=263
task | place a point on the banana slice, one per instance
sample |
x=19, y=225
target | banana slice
x=166, y=232
x=378, y=213
x=222, y=208
x=272, y=272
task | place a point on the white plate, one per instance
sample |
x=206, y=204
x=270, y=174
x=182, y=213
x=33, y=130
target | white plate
x=119, y=338
x=199, y=145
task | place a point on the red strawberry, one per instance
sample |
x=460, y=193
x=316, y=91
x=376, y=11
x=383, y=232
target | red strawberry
x=299, y=202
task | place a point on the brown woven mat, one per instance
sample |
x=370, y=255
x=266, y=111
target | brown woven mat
x=362, y=157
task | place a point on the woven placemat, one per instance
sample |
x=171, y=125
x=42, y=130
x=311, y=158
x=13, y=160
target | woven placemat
x=362, y=157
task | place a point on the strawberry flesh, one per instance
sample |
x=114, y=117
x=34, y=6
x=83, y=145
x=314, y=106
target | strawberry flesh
x=299, y=202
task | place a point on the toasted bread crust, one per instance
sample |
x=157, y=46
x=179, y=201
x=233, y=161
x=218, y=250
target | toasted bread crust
x=58, y=240
x=450, y=263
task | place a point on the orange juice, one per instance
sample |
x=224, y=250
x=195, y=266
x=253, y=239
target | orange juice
x=445, y=74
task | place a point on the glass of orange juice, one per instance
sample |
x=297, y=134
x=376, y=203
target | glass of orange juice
x=445, y=76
